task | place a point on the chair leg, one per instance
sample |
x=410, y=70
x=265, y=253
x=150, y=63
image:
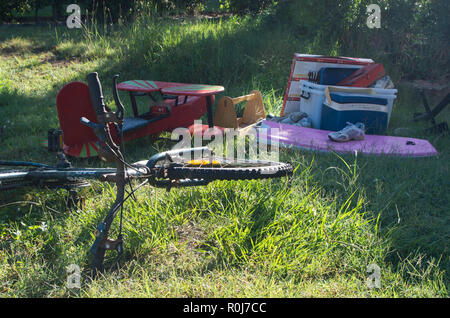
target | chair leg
x=430, y=114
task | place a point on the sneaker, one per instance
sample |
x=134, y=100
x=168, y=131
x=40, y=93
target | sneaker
x=293, y=118
x=297, y=116
x=350, y=132
x=304, y=122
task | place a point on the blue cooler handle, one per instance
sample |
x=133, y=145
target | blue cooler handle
x=346, y=90
x=305, y=97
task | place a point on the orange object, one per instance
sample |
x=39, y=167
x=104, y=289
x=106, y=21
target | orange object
x=200, y=162
x=365, y=76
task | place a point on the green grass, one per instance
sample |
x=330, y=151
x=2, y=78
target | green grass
x=311, y=236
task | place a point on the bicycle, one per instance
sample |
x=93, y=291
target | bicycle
x=175, y=168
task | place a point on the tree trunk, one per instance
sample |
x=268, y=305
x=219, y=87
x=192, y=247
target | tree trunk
x=54, y=12
x=36, y=9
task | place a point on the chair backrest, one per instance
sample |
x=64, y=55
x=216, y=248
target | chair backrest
x=73, y=102
x=254, y=111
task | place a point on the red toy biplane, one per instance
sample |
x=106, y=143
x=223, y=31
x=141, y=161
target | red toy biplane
x=172, y=105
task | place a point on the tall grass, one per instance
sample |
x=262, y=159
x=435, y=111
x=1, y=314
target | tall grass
x=312, y=235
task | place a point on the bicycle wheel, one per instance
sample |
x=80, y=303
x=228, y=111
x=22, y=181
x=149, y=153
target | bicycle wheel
x=219, y=168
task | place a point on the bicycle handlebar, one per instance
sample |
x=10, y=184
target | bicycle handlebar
x=97, y=128
x=90, y=124
x=95, y=90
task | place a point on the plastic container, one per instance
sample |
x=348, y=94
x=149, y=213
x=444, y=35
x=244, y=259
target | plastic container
x=346, y=98
x=311, y=103
x=313, y=97
x=333, y=75
x=336, y=115
x=303, y=64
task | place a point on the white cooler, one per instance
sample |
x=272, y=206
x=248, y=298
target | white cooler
x=313, y=96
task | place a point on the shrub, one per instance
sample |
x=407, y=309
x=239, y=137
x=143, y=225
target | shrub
x=414, y=35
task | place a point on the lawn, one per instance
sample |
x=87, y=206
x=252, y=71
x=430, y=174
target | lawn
x=314, y=235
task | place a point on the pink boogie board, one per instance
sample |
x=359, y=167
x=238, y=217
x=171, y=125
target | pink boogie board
x=316, y=139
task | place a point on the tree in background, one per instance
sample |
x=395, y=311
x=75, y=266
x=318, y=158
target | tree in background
x=8, y=7
x=245, y=6
x=103, y=10
x=128, y=10
x=414, y=34
x=11, y=9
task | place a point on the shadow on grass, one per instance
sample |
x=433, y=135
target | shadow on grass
x=410, y=197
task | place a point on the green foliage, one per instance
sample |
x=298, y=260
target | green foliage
x=8, y=7
x=314, y=16
x=126, y=10
x=414, y=35
x=310, y=236
x=245, y=6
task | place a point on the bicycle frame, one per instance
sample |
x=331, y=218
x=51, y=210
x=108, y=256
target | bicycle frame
x=109, y=151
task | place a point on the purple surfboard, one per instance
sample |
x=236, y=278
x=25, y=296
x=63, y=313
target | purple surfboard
x=316, y=139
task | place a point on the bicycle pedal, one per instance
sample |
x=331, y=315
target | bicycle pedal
x=75, y=201
x=62, y=161
x=55, y=140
